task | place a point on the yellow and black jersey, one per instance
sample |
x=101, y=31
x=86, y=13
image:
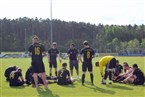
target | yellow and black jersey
x=36, y=50
x=88, y=54
x=103, y=62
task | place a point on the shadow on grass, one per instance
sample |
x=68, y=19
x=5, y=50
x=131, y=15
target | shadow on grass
x=95, y=88
x=46, y=93
x=17, y=87
x=119, y=87
x=68, y=86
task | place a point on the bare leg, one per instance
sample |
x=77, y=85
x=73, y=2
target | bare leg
x=71, y=71
x=55, y=71
x=35, y=75
x=50, y=72
x=44, y=80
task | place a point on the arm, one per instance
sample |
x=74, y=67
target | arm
x=43, y=54
x=80, y=58
x=48, y=57
x=101, y=69
x=30, y=54
x=58, y=56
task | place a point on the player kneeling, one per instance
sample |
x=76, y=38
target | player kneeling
x=8, y=71
x=64, y=76
x=16, y=78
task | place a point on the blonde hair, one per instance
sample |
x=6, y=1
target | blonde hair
x=35, y=37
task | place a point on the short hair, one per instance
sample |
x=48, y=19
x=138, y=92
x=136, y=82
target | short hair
x=135, y=65
x=64, y=64
x=54, y=43
x=72, y=44
x=85, y=43
x=97, y=64
x=35, y=37
x=117, y=61
x=19, y=69
x=125, y=64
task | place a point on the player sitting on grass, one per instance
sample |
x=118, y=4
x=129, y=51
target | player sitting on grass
x=30, y=78
x=28, y=75
x=16, y=78
x=8, y=71
x=64, y=76
x=118, y=68
x=110, y=63
x=127, y=72
x=136, y=78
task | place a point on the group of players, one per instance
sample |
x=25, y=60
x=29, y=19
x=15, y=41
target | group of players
x=37, y=70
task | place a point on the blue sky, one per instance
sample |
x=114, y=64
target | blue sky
x=120, y=12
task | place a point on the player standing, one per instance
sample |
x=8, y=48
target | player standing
x=53, y=53
x=88, y=54
x=73, y=59
x=36, y=51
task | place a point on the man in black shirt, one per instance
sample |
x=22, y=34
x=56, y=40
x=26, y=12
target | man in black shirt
x=16, y=78
x=53, y=53
x=118, y=69
x=88, y=54
x=73, y=59
x=64, y=76
x=36, y=51
x=9, y=70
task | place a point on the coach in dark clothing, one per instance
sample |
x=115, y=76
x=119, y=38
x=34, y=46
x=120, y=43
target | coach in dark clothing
x=73, y=59
x=8, y=71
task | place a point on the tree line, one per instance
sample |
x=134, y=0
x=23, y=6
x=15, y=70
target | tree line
x=16, y=34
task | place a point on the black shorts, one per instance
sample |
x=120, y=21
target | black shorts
x=73, y=63
x=67, y=82
x=138, y=82
x=38, y=67
x=16, y=83
x=111, y=64
x=87, y=65
x=53, y=63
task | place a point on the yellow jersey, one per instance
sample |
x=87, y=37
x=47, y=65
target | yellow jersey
x=103, y=62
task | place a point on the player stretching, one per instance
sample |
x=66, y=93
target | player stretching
x=88, y=54
x=36, y=51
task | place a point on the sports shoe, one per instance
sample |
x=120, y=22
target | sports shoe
x=92, y=84
x=110, y=82
x=78, y=77
x=104, y=83
x=83, y=84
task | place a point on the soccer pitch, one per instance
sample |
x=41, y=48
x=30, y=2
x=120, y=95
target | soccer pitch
x=75, y=90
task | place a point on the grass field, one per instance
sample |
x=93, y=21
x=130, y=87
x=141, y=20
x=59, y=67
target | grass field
x=75, y=90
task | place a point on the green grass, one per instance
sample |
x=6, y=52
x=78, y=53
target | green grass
x=76, y=90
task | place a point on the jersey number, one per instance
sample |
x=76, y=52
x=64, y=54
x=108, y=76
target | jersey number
x=37, y=51
x=12, y=75
x=61, y=73
x=88, y=54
